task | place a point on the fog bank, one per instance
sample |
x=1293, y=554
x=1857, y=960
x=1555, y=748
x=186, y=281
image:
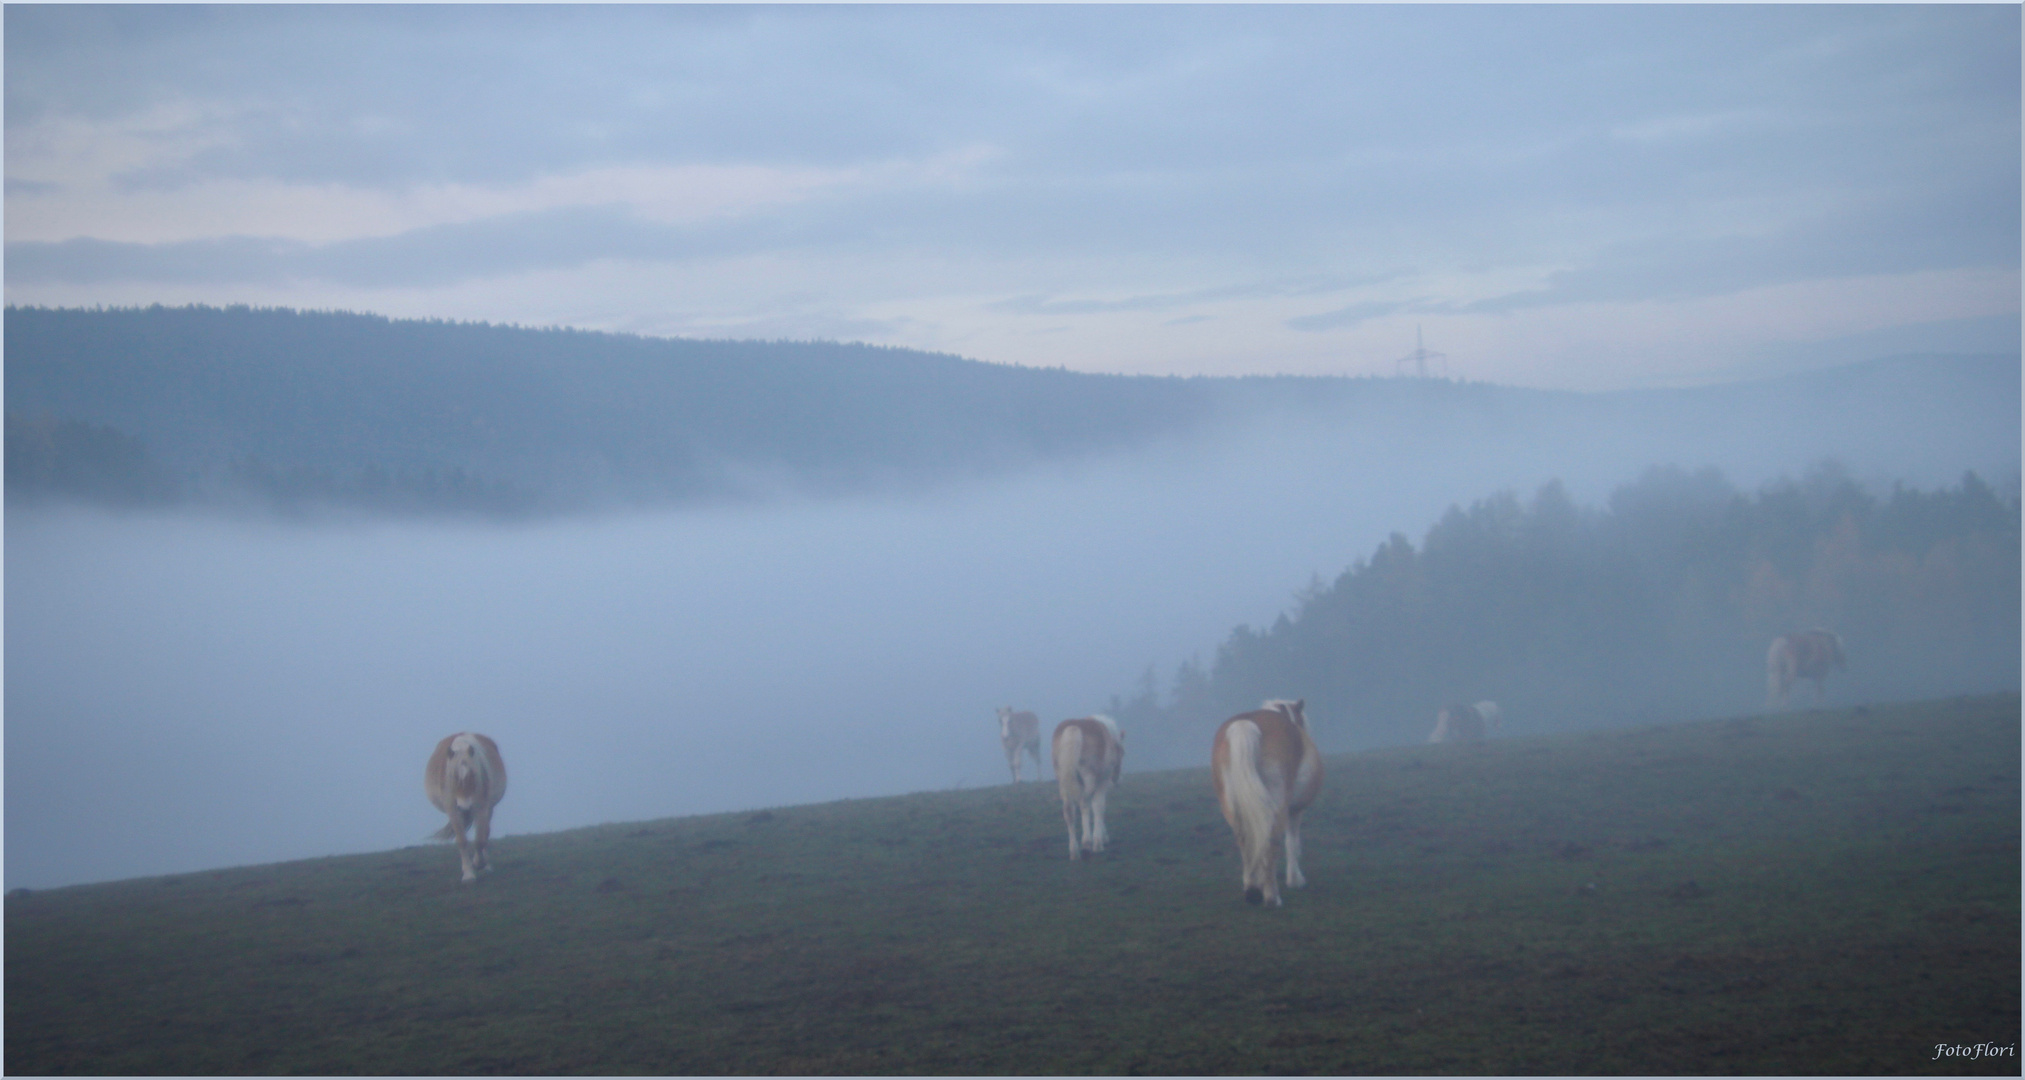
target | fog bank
x=187, y=692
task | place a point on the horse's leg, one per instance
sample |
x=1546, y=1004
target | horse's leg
x=1069, y=807
x=483, y=828
x=1295, y=879
x=1102, y=836
x=460, y=822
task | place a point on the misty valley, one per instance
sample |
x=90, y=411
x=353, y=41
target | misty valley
x=838, y=613
x=724, y=646
x=753, y=539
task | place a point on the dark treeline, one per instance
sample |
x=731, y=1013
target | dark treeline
x=1659, y=606
x=360, y=410
x=52, y=458
x=301, y=490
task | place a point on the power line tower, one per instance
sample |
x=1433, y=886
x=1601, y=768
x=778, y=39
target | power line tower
x=1419, y=358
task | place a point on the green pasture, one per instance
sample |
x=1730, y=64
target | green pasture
x=1818, y=892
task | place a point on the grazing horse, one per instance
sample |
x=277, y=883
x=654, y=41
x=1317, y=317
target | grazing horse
x=1266, y=770
x=1466, y=723
x=1020, y=732
x=1088, y=756
x=466, y=779
x=1808, y=655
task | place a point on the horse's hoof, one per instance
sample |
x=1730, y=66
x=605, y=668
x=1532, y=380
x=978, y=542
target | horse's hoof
x=1254, y=895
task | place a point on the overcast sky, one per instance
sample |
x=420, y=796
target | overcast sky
x=1584, y=197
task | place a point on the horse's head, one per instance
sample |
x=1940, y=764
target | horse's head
x=1296, y=712
x=1833, y=640
x=1005, y=722
x=462, y=769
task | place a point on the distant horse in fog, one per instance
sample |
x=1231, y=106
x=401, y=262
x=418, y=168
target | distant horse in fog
x=1020, y=732
x=1089, y=753
x=466, y=778
x=1267, y=770
x=1466, y=723
x=1807, y=655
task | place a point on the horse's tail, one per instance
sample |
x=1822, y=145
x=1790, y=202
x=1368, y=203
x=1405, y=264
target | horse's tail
x=1249, y=804
x=454, y=826
x=1778, y=671
x=1069, y=763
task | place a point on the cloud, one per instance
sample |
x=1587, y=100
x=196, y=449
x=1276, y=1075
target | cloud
x=676, y=194
x=431, y=256
x=1348, y=315
x=1046, y=305
x=993, y=172
x=1972, y=229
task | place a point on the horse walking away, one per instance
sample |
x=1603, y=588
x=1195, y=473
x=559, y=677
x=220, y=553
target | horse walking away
x=466, y=778
x=1089, y=754
x=1809, y=654
x=1020, y=733
x=1466, y=723
x=1267, y=771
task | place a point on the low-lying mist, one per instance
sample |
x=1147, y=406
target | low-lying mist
x=190, y=691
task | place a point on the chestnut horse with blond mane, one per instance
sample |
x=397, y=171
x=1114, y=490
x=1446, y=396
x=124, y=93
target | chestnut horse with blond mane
x=466, y=778
x=1089, y=753
x=1466, y=723
x=1808, y=655
x=1267, y=770
x=1020, y=733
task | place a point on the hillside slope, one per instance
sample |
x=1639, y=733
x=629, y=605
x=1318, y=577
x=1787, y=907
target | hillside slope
x=1821, y=892
x=570, y=413
x=409, y=414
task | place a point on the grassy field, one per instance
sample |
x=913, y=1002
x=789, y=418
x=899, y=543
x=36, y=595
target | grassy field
x=1820, y=892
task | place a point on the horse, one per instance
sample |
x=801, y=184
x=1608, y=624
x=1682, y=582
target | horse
x=1465, y=723
x=1267, y=770
x=1020, y=732
x=1806, y=655
x=1089, y=754
x=466, y=778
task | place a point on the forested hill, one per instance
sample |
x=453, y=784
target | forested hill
x=336, y=399
x=1657, y=606
x=297, y=408
x=342, y=405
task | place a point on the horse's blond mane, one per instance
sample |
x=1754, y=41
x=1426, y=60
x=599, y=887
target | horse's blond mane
x=1295, y=711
